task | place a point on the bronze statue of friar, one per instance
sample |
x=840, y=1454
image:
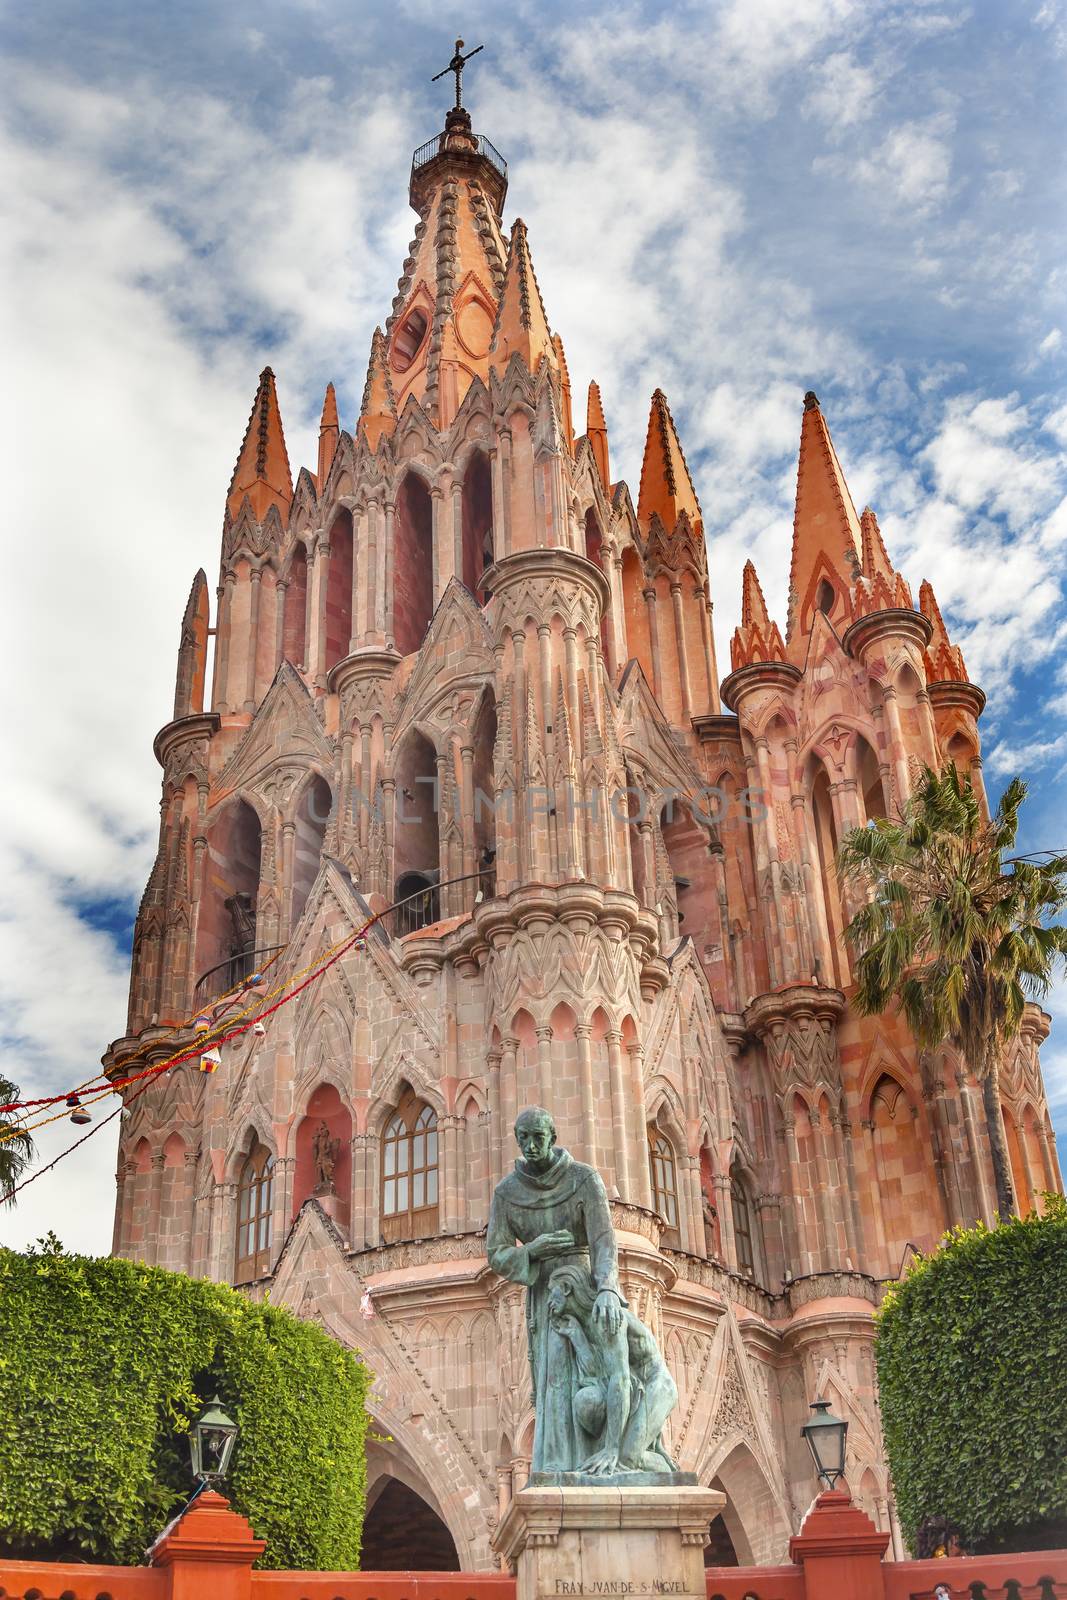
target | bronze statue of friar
x=602, y=1392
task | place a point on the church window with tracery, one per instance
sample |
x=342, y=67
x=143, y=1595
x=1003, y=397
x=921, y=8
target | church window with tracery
x=664, y=1183
x=409, y=1171
x=255, y=1194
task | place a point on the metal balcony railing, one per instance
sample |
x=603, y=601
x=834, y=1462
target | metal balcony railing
x=436, y=146
x=229, y=972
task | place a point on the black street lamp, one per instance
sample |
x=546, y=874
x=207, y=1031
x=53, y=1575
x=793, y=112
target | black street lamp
x=825, y=1434
x=213, y=1437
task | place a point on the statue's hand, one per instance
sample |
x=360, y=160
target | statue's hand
x=603, y=1464
x=607, y=1313
x=551, y=1244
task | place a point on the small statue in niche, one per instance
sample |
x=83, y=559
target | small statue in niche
x=324, y=1155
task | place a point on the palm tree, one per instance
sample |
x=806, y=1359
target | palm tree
x=16, y=1146
x=955, y=931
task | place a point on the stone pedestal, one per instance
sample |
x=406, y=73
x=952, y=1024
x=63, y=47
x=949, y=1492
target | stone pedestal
x=596, y=1543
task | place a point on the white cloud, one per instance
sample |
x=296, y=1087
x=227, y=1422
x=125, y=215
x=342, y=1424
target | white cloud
x=913, y=166
x=843, y=92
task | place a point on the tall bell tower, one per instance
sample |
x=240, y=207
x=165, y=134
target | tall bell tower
x=462, y=681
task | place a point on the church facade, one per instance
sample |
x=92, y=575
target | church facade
x=465, y=680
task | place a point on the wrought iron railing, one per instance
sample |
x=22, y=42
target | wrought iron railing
x=436, y=147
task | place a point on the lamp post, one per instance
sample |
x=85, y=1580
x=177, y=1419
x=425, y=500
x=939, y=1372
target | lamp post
x=825, y=1435
x=213, y=1437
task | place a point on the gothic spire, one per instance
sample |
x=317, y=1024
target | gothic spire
x=944, y=660
x=329, y=434
x=596, y=431
x=438, y=332
x=378, y=410
x=666, y=487
x=758, y=638
x=262, y=470
x=826, y=533
x=521, y=323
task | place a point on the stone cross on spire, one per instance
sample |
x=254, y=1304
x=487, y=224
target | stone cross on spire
x=456, y=65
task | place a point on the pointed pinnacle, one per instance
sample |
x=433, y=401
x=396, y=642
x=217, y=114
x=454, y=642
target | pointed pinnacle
x=329, y=434
x=378, y=410
x=666, y=486
x=521, y=323
x=262, y=469
x=596, y=430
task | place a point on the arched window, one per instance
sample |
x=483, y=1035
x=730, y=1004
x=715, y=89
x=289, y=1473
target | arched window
x=824, y=597
x=664, y=1182
x=409, y=1171
x=413, y=564
x=743, y=1228
x=255, y=1192
x=477, y=523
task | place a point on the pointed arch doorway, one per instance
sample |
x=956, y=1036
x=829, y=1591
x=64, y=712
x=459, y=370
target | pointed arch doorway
x=403, y=1533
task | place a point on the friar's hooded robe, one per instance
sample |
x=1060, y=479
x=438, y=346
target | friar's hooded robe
x=526, y=1204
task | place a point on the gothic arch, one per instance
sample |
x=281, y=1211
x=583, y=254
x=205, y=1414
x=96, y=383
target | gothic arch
x=663, y=1104
x=447, y=1488
x=254, y=1130
x=405, y=1073
x=755, y=1517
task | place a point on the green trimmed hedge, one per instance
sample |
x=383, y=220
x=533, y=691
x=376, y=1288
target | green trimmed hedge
x=104, y=1364
x=972, y=1373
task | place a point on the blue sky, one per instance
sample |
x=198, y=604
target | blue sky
x=736, y=201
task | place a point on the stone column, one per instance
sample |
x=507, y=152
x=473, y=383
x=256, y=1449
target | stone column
x=708, y=641
x=640, y=1175
x=318, y=635
x=509, y=1092
x=358, y=1200
x=457, y=531
x=974, y=1146
x=496, y=1130
x=582, y=1031
x=544, y=1064
x=255, y=579
x=372, y=568
x=623, y=1181
x=153, y=1220
x=653, y=637
x=901, y=775
x=224, y=701
x=679, y=639
x=388, y=575
x=449, y=1173
x=192, y=1162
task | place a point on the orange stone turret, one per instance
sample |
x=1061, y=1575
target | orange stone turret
x=826, y=535
x=262, y=471
x=666, y=487
x=596, y=431
x=329, y=434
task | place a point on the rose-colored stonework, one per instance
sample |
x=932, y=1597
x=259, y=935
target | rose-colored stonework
x=459, y=650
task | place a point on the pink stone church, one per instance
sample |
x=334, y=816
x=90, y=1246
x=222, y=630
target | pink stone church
x=460, y=670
